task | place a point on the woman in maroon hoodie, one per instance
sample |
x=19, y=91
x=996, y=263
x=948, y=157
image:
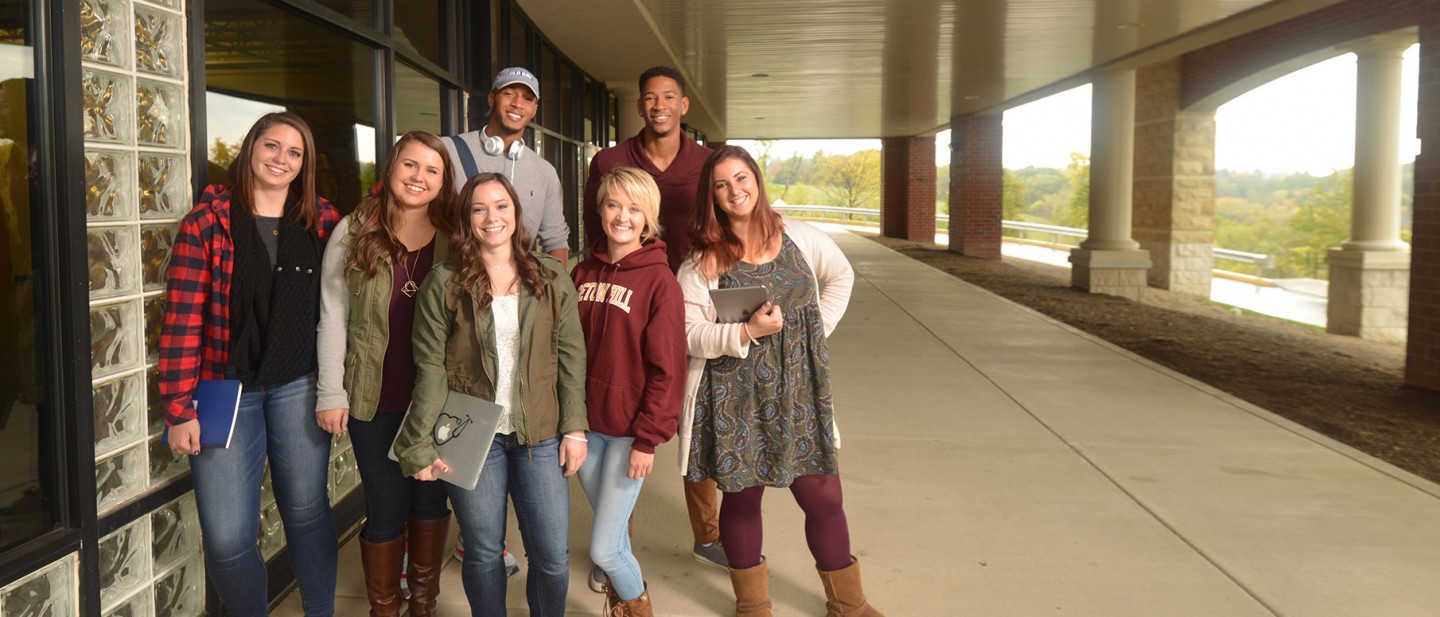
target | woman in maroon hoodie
x=634, y=319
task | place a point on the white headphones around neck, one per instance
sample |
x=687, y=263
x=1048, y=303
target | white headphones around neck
x=493, y=146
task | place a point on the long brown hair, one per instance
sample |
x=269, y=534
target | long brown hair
x=465, y=246
x=371, y=224
x=710, y=234
x=302, y=188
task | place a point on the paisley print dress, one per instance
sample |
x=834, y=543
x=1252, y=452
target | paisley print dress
x=766, y=419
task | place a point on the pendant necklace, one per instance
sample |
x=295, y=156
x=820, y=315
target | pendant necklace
x=409, y=288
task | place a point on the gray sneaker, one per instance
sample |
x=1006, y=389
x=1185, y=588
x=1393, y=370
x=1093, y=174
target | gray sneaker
x=512, y=565
x=598, y=580
x=712, y=554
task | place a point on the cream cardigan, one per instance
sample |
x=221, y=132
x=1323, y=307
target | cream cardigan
x=706, y=339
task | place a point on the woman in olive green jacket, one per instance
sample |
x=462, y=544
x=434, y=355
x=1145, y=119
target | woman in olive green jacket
x=369, y=279
x=501, y=324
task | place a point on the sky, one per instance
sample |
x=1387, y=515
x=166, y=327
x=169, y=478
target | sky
x=1303, y=122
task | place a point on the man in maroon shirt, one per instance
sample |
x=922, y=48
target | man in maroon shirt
x=664, y=150
x=674, y=159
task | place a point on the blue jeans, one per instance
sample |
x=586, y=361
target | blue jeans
x=390, y=497
x=612, y=496
x=536, y=484
x=277, y=422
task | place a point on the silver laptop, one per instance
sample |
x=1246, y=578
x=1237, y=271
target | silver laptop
x=737, y=304
x=463, y=433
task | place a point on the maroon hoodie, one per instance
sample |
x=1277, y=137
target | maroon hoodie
x=634, y=319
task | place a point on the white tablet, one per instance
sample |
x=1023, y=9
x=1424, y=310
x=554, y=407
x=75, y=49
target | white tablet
x=737, y=304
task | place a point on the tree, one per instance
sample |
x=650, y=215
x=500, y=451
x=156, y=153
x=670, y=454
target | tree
x=1077, y=176
x=1321, y=223
x=942, y=189
x=850, y=181
x=1012, y=196
x=222, y=153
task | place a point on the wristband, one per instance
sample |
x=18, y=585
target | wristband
x=746, y=329
x=579, y=439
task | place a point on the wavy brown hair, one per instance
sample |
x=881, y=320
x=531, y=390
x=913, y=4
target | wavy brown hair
x=302, y=188
x=711, y=238
x=371, y=224
x=470, y=273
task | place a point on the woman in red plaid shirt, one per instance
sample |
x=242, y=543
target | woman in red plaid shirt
x=243, y=303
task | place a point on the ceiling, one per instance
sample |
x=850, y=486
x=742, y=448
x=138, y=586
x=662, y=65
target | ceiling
x=781, y=69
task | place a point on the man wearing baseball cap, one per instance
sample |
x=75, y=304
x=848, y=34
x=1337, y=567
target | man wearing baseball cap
x=499, y=147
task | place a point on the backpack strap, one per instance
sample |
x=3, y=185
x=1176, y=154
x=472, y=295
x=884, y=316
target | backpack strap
x=462, y=151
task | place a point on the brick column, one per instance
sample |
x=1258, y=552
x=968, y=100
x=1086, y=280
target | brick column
x=1174, y=199
x=976, y=185
x=1422, y=357
x=907, y=188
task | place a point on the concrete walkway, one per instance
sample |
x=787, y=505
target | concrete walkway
x=997, y=463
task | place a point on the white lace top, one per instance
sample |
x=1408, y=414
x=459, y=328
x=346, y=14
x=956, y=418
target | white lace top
x=506, y=312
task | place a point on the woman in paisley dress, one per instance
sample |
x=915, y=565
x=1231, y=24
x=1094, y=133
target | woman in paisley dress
x=758, y=411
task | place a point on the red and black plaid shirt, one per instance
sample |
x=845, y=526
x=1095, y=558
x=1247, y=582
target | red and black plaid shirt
x=194, y=343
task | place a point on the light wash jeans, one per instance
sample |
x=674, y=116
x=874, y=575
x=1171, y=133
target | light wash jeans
x=536, y=484
x=275, y=422
x=612, y=496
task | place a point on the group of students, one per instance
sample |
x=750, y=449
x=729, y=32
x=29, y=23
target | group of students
x=365, y=324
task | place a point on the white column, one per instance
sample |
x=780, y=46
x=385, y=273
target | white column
x=1109, y=261
x=1375, y=213
x=1112, y=161
x=1370, y=273
x=627, y=95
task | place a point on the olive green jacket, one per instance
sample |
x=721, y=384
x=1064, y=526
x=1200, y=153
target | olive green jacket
x=455, y=350
x=354, y=327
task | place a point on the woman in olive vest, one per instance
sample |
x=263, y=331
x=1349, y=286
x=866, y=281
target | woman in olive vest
x=370, y=282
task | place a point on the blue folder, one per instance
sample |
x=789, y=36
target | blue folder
x=216, y=402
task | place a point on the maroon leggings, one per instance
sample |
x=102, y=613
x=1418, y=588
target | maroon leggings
x=827, y=533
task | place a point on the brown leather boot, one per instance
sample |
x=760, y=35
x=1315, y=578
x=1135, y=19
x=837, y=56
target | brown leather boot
x=639, y=607
x=843, y=595
x=381, y=563
x=427, y=557
x=752, y=591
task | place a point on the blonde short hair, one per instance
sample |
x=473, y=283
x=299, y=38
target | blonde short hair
x=641, y=188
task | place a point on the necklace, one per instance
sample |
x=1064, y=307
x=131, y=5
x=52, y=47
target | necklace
x=409, y=288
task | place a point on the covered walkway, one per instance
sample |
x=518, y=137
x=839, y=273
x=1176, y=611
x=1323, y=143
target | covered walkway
x=999, y=463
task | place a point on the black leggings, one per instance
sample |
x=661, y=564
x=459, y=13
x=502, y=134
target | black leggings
x=390, y=497
x=826, y=531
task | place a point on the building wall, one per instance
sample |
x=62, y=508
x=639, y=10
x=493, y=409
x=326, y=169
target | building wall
x=1174, y=185
x=1211, y=70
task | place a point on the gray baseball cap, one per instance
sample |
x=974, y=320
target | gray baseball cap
x=516, y=75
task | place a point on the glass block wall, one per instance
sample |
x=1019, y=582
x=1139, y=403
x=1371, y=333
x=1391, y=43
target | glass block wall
x=51, y=590
x=136, y=190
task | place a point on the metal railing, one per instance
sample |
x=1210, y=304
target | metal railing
x=1057, y=232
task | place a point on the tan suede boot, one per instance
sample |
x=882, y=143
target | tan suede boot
x=843, y=595
x=639, y=607
x=752, y=591
x=427, y=557
x=381, y=563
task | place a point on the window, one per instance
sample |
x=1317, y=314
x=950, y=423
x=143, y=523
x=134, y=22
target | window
x=27, y=496
x=264, y=59
x=417, y=26
x=417, y=101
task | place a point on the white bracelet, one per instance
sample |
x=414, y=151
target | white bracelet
x=579, y=439
x=746, y=329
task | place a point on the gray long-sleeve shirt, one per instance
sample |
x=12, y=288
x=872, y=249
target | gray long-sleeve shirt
x=534, y=179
